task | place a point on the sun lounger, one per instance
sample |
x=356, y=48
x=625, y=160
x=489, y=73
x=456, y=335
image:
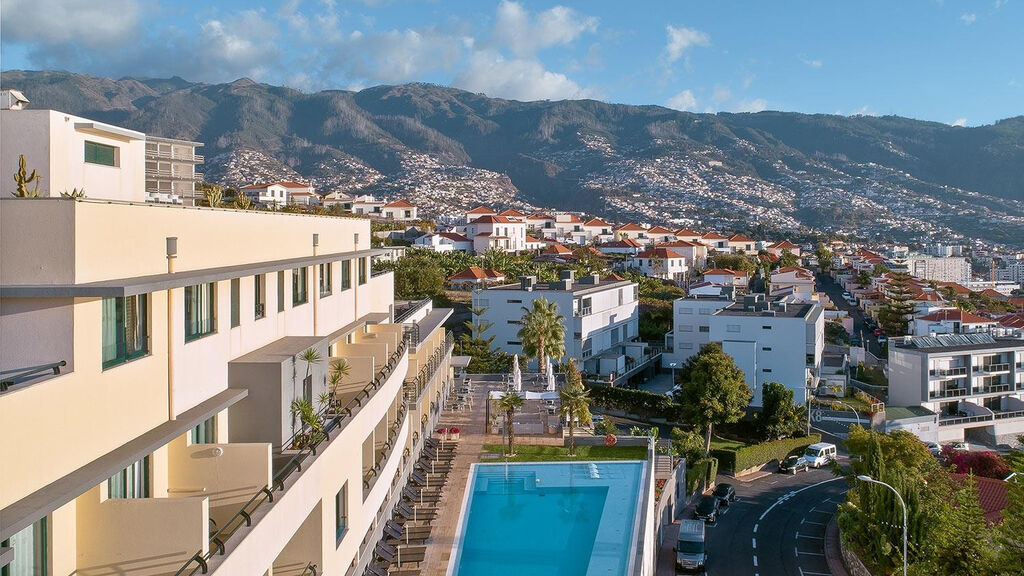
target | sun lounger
x=417, y=513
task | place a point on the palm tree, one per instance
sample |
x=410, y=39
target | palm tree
x=508, y=403
x=542, y=333
x=338, y=371
x=575, y=402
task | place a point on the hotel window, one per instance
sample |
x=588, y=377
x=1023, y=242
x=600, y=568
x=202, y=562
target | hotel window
x=28, y=551
x=236, y=305
x=132, y=482
x=513, y=343
x=259, y=284
x=346, y=274
x=706, y=311
x=125, y=329
x=685, y=311
x=362, y=271
x=704, y=328
x=685, y=346
x=280, y=291
x=732, y=327
x=200, y=309
x=205, y=432
x=766, y=348
x=325, y=279
x=766, y=327
x=341, y=513
x=766, y=370
x=686, y=327
x=299, y=286
x=100, y=154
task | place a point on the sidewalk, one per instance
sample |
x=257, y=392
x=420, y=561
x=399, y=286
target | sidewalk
x=833, y=554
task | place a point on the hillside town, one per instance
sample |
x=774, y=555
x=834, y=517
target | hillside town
x=291, y=376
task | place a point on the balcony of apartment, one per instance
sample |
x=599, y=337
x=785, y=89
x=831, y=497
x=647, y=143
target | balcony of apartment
x=995, y=368
x=948, y=392
x=173, y=155
x=1011, y=407
x=949, y=372
x=379, y=446
x=187, y=175
x=303, y=555
x=966, y=413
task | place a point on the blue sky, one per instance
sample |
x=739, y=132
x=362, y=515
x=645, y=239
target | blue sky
x=947, y=61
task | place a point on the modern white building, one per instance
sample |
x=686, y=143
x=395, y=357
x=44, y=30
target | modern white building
x=974, y=382
x=171, y=170
x=661, y=263
x=770, y=340
x=165, y=371
x=600, y=318
x=499, y=232
x=399, y=210
x=794, y=280
x=445, y=242
x=950, y=321
x=943, y=269
x=279, y=193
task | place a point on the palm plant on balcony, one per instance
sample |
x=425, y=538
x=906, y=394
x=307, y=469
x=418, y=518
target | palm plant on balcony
x=509, y=403
x=575, y=402
x=337, y=372
x=312, y=427
x=542, y=333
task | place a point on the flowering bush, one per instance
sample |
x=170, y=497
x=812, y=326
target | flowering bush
x=987, y=464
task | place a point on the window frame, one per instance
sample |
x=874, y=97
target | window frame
x=236, y=302
x=122, y=355
x=259, y=285
x=346, y=275
x=300, y=286
x=341, y=514
x=212, y=318
x=361, y=273
x=326, y=279
x=143, y=481
x=280, y=290
x=95, y=160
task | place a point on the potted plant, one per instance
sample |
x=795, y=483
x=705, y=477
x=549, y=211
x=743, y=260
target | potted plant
x=312, y=427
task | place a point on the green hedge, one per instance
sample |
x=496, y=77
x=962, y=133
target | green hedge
x=640, y=402
x=706, y=467
x=740, y=459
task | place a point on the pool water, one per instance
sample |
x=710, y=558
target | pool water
x=557, y=519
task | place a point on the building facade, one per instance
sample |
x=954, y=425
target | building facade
x=974, y=382
x=171, y=174
x=941, y=269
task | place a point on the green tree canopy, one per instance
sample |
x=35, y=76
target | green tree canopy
x=899, y=305
x=778, y=417
x=712, y=391
x=418, y=276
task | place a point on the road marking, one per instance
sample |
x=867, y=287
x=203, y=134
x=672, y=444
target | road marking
x=810, y=553
x=755, y=561
x=753, y=543
x=809, y=573
x=815, y=523
x=755, y=528
x=799, y=535
x=788, y=495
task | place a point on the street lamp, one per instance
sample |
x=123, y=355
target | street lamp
x=855, y=413
x=673, y=365
x=866, y=478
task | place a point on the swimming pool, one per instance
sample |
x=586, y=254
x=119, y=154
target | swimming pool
x=557, y=519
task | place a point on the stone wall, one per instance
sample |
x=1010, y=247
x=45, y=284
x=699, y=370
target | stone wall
x=853, y=564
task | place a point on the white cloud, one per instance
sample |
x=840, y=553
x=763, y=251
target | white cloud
x=49, y=23
x=721, y=94
x=397, y=56
x=524, y=34
x=1000, y=4
x=968, y=18
x=961, y=122
x=813, y=63
x=517, y=79
x=684, y=101
x=242, y=45
x=682, y=39
x=864, y=110
x=755, y=105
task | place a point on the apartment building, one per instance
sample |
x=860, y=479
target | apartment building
x=974, y=382
x=940, y=269
x=600, y=317
x=498, y=232
x=770, y=340
x=400, y=210
x=166, y=372
x=661, y=263
x=171, y=174
x=795, y=281
x=280, y=193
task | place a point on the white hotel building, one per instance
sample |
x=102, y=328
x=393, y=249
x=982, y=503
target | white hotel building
x=773, y=340
x=600, y=318
x=974, y=382
x=146, y=379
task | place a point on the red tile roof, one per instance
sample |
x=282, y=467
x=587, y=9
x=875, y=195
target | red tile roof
x=784, y=245
x=680, y=244
x=481, y=210
x=1015, y=320
x=539, y=216
x=660, y=230
x=957, y=288
x=597, y=222
x=531, y=239
x=993, y=294
x=624, y=243
x=285, y=183
x=768, y=257
x=991, y=496
x=723, y=272
x=453, y=236
x=491, y=219
x=512, y=212
x=686, y=232
x=713, y=236
x=630, y=227
x=570, y=218
x=799, y=271
x=556, y=248
x=398, y=204
x=659, y=253
x=477, y=273
x=740, y=238
x=956, y=315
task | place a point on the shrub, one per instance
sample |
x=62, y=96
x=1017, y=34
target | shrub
x=987, y=464
x=701, y=469
x=640, y=402
x=740, y=459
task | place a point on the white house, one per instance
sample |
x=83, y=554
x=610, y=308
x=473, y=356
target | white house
x=474, y=277
x=399, y=210
x=303, y=198
x=696, y=254
x=715, y=241
x=727, y=277
x=532, y=243
x=338, y=198
x=541, y=224
x=600, y=318
x=951, y=321
x=626, y=246
x=972, y=381
x=445, y=242
x=499, y=232
x=662, y=263
x=687, y=235
x=367, y=205
x=69, y=152
x=631, y=231
x=741, y=243
x=478, y=212
x=795, y=280
x=280, y=193
x=691, y=324
x=779, y=248
x=598, y=230
x=659, y=234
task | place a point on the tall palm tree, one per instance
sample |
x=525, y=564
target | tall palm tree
x=542, y=333
x=509, y=403
x=575, y=402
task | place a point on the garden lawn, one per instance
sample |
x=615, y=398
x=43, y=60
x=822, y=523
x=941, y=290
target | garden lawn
x=526, y=453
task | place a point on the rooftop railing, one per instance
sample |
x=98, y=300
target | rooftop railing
x=414, y=387
x=334, y=419
x=948, y=393
x=174, y=156
x=9, y=378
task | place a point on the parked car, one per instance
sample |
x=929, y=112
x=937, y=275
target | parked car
x=707, y=508
x=691, y=554
x=855, y=340
x=597, y=419
x=934, y=448
x=877, y=331
x=793, y=464
x=882, y=339
x=960, y=446
x=820, y=454
x=725, y=494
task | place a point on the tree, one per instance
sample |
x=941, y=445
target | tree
x=1009, y=535
x=213, y=194
x=787, y=258
x=898, y=306
x=984, y=464
x=688, y=444
x=863, y=278
x=778, y=418
x=738, y=262
x=713, y=391
x=417, y=277
x=542, y=333
x=242, y=202
x=959, y=542
x=575, y=402
x=508, y=403
x=497, y=259
x=824, y=257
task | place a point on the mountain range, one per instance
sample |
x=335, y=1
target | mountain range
x=447, y=149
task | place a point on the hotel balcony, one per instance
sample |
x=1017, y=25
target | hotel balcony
x=152, y=174
x=967, y=413
x=947, y=393
x=996, y=368
x=176, y=156
x=953, y=372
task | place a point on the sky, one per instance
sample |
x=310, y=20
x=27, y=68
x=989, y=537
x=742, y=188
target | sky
x=956, y=62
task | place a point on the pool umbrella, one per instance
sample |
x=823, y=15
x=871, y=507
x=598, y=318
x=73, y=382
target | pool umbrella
x=551, y=376
x=517, y=375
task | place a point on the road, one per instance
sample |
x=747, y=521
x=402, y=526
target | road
x=775, y=528
x=835, y=292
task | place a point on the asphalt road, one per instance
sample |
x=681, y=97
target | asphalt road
x=776, y=527
x=835, y=292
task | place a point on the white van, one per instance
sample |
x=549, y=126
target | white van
x=691, y=555
x=820, y=454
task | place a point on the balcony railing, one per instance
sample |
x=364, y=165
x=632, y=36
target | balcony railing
x=172, y=175
x=585, y=311
x=381, y=458
x=174, y=156
x=414, y=387
x=1002, y=367
x=1010, y=414
x=17, y=376
x=956, y=371
x=990, y=388
x=947, y=393
x=965, y=419
x=333, y=419
x=411, y=309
